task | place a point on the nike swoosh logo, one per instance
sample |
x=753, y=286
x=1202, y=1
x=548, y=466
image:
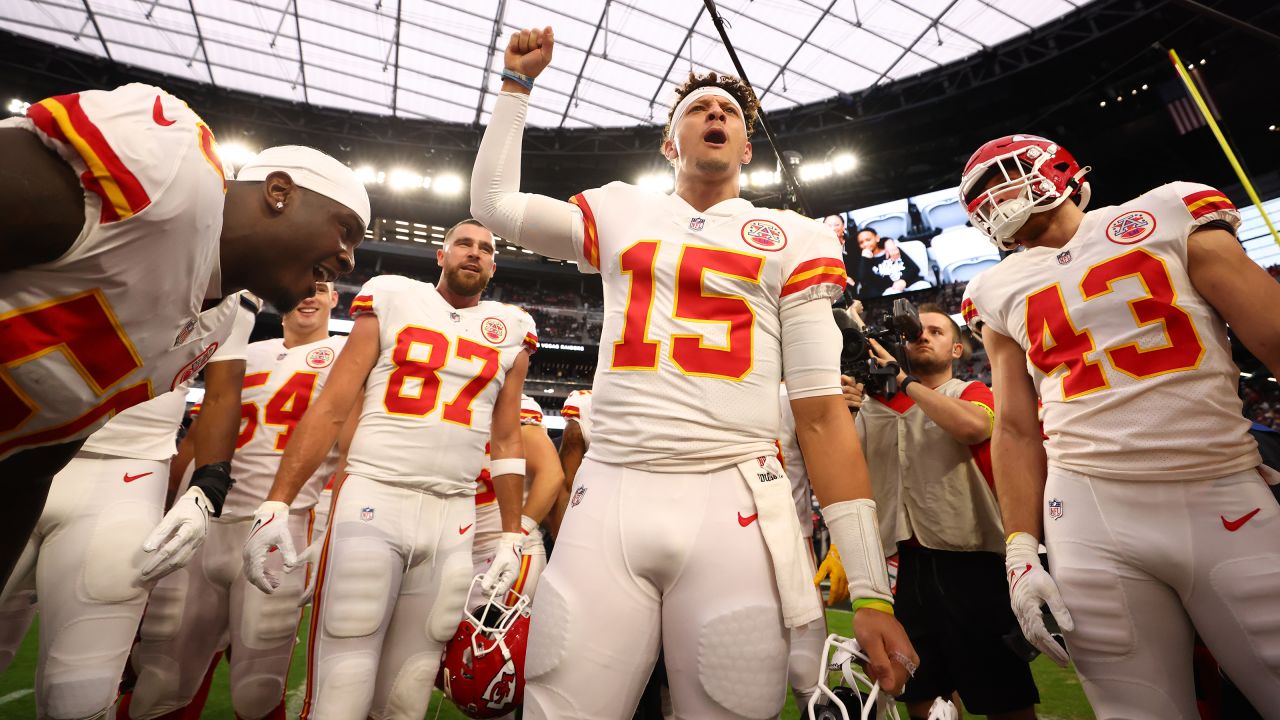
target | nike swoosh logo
x=463, y=530
x=745, y=521
x=130, y=478
x=1234, y=525
x=1015, y=582
x=157, y=114
x=258, y=525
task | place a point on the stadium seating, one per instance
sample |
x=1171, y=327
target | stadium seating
x=963, y=252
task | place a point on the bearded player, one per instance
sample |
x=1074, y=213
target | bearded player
x=685, y=526
x=119, y=224
x=440, y=373
x=192, y=612
x=97, y=550
x=544, y=480
x=1149, y=489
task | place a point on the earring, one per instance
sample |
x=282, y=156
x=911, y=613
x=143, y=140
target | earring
x=280, y=205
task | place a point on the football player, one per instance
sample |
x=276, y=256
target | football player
x=544, y=479
x=1149, y=490
x=574, y=441
x=440, y=373
x=97, y=550
x=193, y=613
x=684, y=523
x=119, y=227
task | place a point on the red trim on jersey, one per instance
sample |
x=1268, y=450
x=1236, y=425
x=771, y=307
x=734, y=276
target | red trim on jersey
x=315, y=608
x=570, y=411
x=1205, y=202
x=122, y=194
x=590, y=237
x=900, y=403
x=119, y=401
x=967, y=310
x=815, y=272
x=531, y=343
x=531, y=415
x=361, y=304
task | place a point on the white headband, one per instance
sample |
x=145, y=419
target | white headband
x=683, y=106
x=313, y=170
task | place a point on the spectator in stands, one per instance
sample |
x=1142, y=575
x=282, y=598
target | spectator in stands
x=928, y=450
x=883, y=269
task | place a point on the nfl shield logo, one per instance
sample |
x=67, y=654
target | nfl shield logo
x=696, y=224
x=366, y=514
x=577, y=495
x=1064, y=257
x=1055, y=509
x=455, y=317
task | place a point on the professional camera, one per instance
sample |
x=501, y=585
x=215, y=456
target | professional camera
x=893, y=330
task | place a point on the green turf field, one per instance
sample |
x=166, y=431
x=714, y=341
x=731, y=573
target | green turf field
x=1060, y=693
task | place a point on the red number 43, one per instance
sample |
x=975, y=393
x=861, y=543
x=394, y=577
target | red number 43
x=1055, y=343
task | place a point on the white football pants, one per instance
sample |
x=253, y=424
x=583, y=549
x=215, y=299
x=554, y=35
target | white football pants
x=82, y=569
x=210, y=605
x=644, y=558
x=392, y=583
x=1144, y=565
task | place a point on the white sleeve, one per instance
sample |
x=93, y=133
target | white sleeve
x=236, y=346
x=810, y=349
x=544, y=225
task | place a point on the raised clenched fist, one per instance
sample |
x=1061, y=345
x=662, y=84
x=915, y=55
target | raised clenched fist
x=529, y=51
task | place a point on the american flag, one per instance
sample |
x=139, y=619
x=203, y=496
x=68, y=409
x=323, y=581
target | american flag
x=1186, y=116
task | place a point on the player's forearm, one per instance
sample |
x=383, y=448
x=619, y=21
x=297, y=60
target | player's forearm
x=215, y=435
x=541, y=224
x=1020, y=465
x=832, y=453
x=962, y=420
x=572, y=450
x=313, y=438
x=546, y=477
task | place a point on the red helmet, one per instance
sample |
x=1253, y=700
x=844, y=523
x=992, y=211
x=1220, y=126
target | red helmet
x=482, y=671
x=1034, y=175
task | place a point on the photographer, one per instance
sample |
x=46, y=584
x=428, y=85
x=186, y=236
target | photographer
x=927, y=447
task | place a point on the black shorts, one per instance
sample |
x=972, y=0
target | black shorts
x=955, y=608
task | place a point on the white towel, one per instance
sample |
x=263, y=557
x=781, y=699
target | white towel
x=781, y=529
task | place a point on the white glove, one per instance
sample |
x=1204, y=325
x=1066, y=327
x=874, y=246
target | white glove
x=1030, y=587
x=505, y=568
x=180, y=533
x=943, y=710
x=310, y=556
x=270, y=531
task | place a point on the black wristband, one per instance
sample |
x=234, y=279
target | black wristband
x=214, y=480
x=906, y=381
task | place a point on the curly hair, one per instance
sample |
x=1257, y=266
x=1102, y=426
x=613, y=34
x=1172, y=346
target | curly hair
x=740, y=91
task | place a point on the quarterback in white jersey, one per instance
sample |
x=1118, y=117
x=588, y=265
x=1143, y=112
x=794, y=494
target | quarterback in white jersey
x=84, y=567
x=543, y=481
x=195, y=612
x=1155, y=508
x=138, y=226
x=439, y=373
x=678, y=522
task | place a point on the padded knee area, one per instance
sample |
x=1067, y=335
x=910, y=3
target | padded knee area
x=78, y=693
x=742, y=661
x=268, y=620
x=163, y=617
x=114, y=554
x=1098, y=604
x=1249, y=587
x=255, y=696
x=806, y=655
x=411, y=690
x=549, y=630
x=345, y=687
x=451, y=597
x=357, y=585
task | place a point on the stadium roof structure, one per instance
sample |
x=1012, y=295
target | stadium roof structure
x=616, y=61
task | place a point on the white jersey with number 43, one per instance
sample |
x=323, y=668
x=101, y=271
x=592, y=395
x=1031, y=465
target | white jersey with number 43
x=429, y=399
x=690, y=352
x=279, y=385
x=1132, y=364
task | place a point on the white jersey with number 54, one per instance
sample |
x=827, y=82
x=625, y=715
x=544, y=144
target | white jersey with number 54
x=1131, y=362
x=690, y=352
x=429, y=399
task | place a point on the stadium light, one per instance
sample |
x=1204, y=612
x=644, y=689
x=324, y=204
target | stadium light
x=659, y=182
x=764, y=178
x=401, y=179
x=367, y=175
x=815, y=171
x=843, y=163
x=18, y=107
x=236, y=154
x=448, y=185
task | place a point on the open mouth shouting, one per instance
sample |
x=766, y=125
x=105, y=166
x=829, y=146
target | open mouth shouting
x=715, y=137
